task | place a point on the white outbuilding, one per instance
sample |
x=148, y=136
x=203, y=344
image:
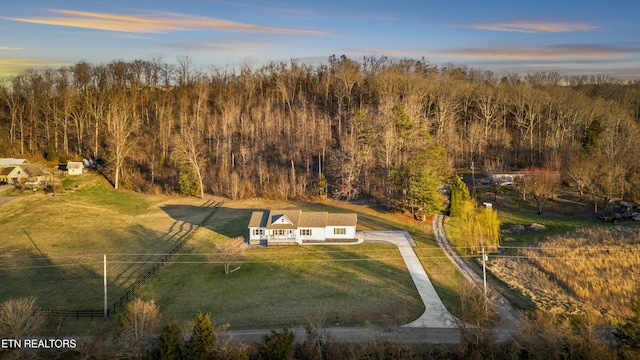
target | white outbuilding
x=75, y=167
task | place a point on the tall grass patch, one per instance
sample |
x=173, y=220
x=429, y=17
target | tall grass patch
x=592, y=271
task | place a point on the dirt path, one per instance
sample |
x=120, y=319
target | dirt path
x=509, y=317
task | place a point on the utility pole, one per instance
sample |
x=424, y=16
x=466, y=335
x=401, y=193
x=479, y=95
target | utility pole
x=484, y=276
x=106, y=309
x=473, y=178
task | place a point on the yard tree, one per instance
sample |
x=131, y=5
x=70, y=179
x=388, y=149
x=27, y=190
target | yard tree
x=541, y=183
x=138, y=328
x=227, y=252
x=202, y=342
x=482, y=229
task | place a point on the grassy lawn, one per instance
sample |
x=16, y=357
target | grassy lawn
x=54, y=250
x=279, y=286
x=53, y=246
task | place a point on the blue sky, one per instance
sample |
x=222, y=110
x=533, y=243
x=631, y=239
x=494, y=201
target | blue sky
x=567, y=36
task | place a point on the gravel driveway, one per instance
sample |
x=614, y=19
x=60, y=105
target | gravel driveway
x=509, y=317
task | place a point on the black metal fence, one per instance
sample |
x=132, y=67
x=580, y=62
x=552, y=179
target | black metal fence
x=129, y=294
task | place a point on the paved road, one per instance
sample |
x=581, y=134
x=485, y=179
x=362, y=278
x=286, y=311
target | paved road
x=361, y=335
x=509, y=317
x=435, y=314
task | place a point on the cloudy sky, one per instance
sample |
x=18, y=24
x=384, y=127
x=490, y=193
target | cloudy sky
x=567, y=36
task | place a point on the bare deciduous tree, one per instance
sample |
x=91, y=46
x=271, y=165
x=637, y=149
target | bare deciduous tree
x=227, y=252
x=20, y=317
x=138, y=327
x=121, y=124
x=541, y=182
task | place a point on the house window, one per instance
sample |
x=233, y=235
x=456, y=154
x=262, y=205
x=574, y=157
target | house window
x=340, y=231
x=258, y=231
x=305, y=232
x=280, y=232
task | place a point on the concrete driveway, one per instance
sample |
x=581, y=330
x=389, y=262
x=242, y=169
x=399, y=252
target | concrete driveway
x=435, y=314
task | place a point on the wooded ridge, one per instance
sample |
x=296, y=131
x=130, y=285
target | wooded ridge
x=377, y=127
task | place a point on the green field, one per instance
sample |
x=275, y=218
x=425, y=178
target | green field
x=53, y=246
x=53, y=249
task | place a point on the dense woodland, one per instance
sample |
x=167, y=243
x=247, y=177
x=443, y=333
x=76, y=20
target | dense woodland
x=381, y=128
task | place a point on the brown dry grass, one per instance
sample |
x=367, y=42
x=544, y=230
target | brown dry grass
x=592, y=271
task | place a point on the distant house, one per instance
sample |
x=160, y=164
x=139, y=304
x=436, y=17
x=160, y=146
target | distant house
x=290, y=227
x=504, y=178
x=75, y=167
x=513, y=177
x=13, y=175
x=22, y=173
x=36, y=172
x=5, y=172
x=628, y=206
x=8, y=162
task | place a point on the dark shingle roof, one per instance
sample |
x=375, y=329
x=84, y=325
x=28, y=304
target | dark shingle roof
x=6, y=170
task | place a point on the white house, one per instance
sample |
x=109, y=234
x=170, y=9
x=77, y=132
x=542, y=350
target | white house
x=290, y=227
x=75, y=167
x=505, y=178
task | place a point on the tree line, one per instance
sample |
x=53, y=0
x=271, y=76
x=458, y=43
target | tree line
x=389, y=129
x=142, y=333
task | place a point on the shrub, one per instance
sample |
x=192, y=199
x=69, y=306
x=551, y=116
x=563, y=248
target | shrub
x=628, y=334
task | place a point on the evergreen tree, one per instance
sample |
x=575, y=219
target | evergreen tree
x=169, y=342
x=322, y=186
x=202, y=341
x=278, y=345
x=51, y=152
x=427, y=173
x=461, y=203
x=188, y=183
x=424, y=193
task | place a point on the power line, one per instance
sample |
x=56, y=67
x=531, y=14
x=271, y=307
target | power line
x=240, y=261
